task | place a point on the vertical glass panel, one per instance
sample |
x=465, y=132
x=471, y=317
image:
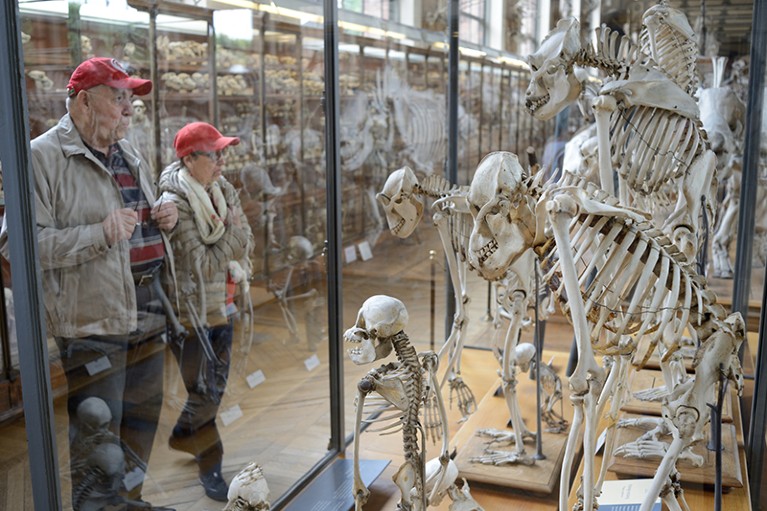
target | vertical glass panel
x=243, y=376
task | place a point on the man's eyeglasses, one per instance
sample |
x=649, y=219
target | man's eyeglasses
x=213, y=155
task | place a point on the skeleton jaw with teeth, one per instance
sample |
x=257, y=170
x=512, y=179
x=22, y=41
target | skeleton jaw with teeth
x=504, y=224
x=553, y=84
x=401, y=203
x=378, y=320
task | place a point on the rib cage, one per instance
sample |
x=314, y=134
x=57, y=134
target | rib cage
x=652, y=147
x=641, y=285
x=675, y=56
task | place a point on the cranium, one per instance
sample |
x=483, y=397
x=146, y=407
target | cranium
x=553, y=84
x=250, y=489
x=504, y=225
x=139, y=111
x=379, y=318
x=299, y=249
x=523, y=354
x=401, y=204
x=94, y=414
x=109, y=458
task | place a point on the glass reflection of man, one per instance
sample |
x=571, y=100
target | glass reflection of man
x=102, y=244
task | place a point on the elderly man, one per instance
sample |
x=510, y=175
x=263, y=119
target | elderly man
x=102, y=246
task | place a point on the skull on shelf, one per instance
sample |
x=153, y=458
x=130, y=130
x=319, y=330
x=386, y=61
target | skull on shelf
x=379, y=318
x=401, y=203
x=504, y=223
x=553, y=83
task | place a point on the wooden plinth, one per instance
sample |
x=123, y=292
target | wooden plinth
x=492, y=412
x=647, y=379
x=731, y=469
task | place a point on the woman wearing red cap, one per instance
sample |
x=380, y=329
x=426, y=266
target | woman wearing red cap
x=211, y=243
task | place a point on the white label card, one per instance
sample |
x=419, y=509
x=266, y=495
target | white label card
x=256, y=378
x=230, y=415
x=98, y=365
x=133, y=478
x=350, y=253
x=312, y=363
x=365, y=252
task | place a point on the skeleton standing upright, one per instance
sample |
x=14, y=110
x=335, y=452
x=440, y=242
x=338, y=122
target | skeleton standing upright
x=642, y=285
x=648, y=125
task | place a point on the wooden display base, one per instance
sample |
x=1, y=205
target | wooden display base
x=731, y=470
x=648, y=378
x=493, y=413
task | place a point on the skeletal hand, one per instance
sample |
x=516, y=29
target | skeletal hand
x=119, y=225
x=432, y=423
x=654, y=394
x=643, y=449
x=502, y=458
x=165, y=214
x=464, y=397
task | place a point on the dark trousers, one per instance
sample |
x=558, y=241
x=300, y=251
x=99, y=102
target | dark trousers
x=205, y=383
x=132, y=388
x=131, y=385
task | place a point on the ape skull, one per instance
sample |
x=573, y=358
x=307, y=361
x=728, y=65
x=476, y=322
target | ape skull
x=553, y=84
x=299, y=249
x=94, y=415
x=401, y=203
x=139, y=111
x=523, y=355
x=379, y=318
x=248, y=490
x=110, y=459
x=504, y=224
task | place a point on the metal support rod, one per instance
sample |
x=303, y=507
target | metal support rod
x=452, y=135
x=538, y=340
x=333, y=208
x=432, y=296
x=488, y=308
x=22, y=233
x=755, y=444
x=750, y=172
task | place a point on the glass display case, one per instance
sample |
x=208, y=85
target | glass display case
x=263, y=72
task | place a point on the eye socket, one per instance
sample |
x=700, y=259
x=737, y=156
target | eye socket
x=552, y=69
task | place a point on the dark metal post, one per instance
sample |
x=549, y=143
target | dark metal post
x=538, y=341
x=20, y=216
x=432, y=296
x=452, y=134
x=755, y=444
x=333, y=205
x=749, y=179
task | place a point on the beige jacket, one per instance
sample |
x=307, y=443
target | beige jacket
x=88, y=286
x=201, y=269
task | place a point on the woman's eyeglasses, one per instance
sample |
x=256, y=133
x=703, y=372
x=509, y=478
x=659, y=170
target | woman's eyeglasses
x=213, y=155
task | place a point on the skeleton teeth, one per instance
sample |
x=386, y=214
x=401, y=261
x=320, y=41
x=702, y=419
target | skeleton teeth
x=534, y=104
x=488, y=250
x=399, y=226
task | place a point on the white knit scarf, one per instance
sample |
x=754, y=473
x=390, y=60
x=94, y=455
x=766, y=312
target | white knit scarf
x=208, y=216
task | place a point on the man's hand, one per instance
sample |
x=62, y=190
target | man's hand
x=165, y=214
x=119, y=225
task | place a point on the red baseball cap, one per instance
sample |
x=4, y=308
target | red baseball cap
x=105, y=71
x=200, y=136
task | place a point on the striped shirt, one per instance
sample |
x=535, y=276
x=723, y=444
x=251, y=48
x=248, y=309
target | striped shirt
x=146, y=245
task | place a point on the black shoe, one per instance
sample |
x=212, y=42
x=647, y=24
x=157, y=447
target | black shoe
x=215, y=486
